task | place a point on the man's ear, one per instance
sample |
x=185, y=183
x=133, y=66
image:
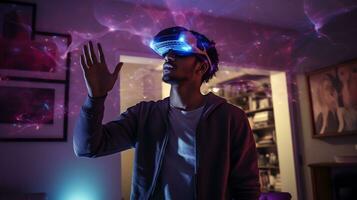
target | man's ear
x=203, y=67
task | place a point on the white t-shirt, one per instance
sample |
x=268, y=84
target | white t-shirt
x=179, y=162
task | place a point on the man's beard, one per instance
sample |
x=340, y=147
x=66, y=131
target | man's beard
x=169, y=80
x=168, y=77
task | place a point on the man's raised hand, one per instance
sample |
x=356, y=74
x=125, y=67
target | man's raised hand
x=97, y=77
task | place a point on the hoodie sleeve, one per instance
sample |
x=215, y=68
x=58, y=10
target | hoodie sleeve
x=91, y=138
x=244, y=175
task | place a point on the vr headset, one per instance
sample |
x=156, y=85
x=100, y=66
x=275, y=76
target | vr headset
x=184, y=43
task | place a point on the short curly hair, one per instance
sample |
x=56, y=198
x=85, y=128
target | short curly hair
x=203, y=43
x=212, y=53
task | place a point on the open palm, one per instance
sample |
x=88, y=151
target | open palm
x=96, y=74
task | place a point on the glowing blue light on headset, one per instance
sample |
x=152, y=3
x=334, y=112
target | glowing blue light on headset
x=186, y=43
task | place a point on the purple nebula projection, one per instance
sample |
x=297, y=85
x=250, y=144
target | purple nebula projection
x=28, y=55
x=17, y=49
x=26, y=105
x=243, y=42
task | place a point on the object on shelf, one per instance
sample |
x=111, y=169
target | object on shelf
x=240, y=101
x=251, y=112
x=266, y=139
x=273, y=159
x=264, y=103
x=262, y=160
x=253, y=105
x=268, y=160
x=265, y=128
x=264, y=180
x=272, y=180
x=268, y=133
x=262, y=119
x=277, y=183
x=258, y=103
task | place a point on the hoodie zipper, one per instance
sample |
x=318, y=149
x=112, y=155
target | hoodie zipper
x=162, y=153
x=196, y=167
x=197, y=153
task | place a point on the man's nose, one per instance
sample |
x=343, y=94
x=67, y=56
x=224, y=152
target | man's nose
x=170, y=56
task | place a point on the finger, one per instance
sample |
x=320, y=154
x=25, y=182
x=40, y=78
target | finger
x=87, y=57
x=117, y=69
x=83, y=64
x=92, y=54
x=101, y=54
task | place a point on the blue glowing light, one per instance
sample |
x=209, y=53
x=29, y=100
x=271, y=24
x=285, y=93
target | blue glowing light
x=182, y=38
x=152, y=44
x=186, y=48
x=79, y=196
x=163, y=47
x=79, y=184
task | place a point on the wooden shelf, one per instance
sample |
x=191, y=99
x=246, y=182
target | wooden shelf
x=270, y=190
x=266, y=145
x=250, y=112
x=264, y=128
x=268, y=167
x=328, y=177
x=241, y=100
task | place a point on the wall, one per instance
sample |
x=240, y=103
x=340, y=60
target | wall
x=334, y=43
x=52, y=167
x=317, y=150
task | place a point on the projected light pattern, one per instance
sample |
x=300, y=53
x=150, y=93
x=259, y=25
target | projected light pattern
x=321, y=16
x=247, y=44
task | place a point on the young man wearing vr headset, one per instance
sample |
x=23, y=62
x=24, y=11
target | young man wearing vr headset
x=188, y=145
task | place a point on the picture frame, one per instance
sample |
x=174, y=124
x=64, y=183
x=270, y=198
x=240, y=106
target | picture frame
x=24, y=24
x=333, y=99
x=46, y=56
x=33, y=110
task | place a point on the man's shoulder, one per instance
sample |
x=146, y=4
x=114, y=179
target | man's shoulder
x=232, y=109
x=149, y=104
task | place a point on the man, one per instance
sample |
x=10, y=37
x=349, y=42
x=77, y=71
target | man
x=188, y=145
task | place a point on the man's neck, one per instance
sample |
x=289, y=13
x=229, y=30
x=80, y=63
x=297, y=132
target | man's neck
x=186, y=97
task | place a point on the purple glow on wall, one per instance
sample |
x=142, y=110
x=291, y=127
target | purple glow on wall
x=242, y=43
x=26, y=105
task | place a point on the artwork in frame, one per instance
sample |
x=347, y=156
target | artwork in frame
x=33, y=110
x=333, y=99
x=45, y=57
x=17, y=20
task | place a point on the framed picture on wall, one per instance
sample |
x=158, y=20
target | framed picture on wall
x=46, y=57
x=333, y=99
x=33, y=111
x=17, y=20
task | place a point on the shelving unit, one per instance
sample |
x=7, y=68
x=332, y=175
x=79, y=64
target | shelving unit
x=254, y=97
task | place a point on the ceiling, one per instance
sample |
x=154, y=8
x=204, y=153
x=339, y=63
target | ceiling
x=327, y=28
x=291, y=14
